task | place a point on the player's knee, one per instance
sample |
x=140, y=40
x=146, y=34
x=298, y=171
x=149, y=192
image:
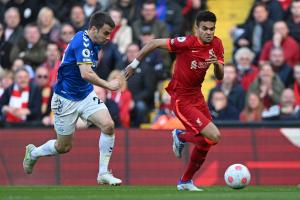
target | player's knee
x=109, y=127
x=64, y=148
x=217, y=137
x=213, y=138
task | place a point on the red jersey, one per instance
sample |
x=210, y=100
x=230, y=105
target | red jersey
x=191, y=65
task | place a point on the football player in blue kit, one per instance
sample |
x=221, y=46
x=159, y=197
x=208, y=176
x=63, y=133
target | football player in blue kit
x=74, y=97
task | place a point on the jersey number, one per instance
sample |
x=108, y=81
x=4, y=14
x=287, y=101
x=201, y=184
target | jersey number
x=97, y=99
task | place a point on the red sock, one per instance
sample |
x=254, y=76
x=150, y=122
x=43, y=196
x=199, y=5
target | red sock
x=197, y=159
x=198, y=154
x=195, y=139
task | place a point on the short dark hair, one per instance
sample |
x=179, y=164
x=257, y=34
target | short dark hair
x=149, y=2
x=205, y=16
x=260, y=4
x=98, y=19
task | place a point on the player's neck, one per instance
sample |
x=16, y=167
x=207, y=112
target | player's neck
x=90, y=36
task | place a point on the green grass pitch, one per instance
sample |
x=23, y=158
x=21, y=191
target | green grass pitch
x=146, y=193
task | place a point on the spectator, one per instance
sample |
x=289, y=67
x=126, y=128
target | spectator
x=189, y=11
x=286, y=110
x=280, y=67
x=267, y=86
x=169, y=12
x=48, y=25
x=66, y=34
x=148, y=21
x=122, y=33
x=294, y=21
x=22, y=101
x=122, y=97
x=253, y=109
x=142, y=87
x=234, y=93
x=247, y=72
x=274, y=8
x=77, y=18
x=52, y=62
x=31, y=49
x=42, y=81
x=19, y=63
x=6, y=80
x=219, y=108
x=90, y=7
x=257, y=32
x=159, y=58
x=28, y=10
x=62, y=6
x=282, y=40
x=109, y=59
x=128, y=8
x=11, y=34
x=296, y=85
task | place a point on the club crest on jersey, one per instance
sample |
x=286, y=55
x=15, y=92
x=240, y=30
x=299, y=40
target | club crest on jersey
x=86, y=53
x=181, y=39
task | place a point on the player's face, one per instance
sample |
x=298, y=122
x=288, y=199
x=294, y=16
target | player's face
x=206, y=31
x=102, y=35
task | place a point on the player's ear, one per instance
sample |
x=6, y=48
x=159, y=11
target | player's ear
x=94, y=29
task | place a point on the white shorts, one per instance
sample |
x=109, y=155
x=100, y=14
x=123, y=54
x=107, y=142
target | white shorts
x=66, y=112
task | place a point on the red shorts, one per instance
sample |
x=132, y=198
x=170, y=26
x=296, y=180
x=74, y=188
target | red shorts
x=192, y=112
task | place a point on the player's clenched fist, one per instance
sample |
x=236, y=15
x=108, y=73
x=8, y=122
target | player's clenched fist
x=128, y=72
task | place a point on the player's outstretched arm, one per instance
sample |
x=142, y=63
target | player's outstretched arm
x=88, y=74
x=153, y=44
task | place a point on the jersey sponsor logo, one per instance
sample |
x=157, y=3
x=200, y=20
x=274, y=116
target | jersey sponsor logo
x=86, y=53
x=181, y=39
x=199, y=65
x=195, y=51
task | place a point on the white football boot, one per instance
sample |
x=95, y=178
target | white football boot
x=108, y=179
x=28, y=162
x=188, y=185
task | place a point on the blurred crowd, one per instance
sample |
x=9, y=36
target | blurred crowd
x=262, y=81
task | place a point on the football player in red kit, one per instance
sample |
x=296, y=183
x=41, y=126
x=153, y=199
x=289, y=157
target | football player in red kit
x=194, y=54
